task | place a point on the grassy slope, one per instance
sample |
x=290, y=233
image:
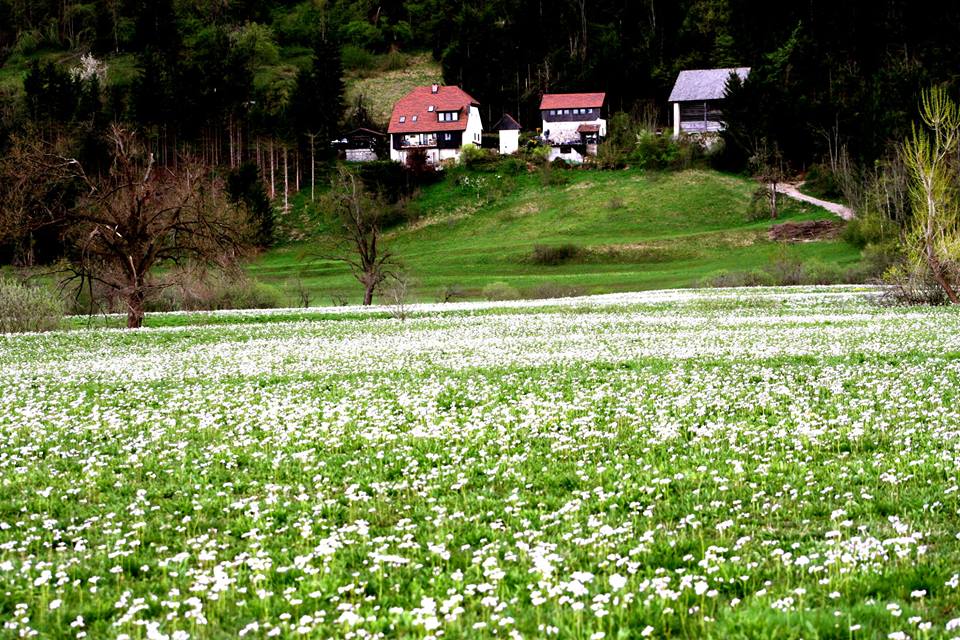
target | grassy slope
x=642, y=230
x=382, y=89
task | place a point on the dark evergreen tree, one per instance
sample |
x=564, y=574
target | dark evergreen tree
x=245, y=187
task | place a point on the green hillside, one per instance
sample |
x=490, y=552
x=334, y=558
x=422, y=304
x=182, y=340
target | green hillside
x=631, y=230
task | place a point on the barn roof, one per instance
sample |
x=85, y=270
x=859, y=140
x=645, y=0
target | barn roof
x=704, y=84
x=363, y=131
x=507, y=123
x=572, y=101
x=418, y=110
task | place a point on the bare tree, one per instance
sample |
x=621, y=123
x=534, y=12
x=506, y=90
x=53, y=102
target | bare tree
x=134, y=217
x=396, y=292
x=770, y=171
x=357, y=236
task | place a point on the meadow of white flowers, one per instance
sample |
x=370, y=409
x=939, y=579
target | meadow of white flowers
x=698, y=464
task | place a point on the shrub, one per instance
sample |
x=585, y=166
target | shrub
x=28, y=42
x=651, y=151
x=213, y=291
x=550, y=290
x=357, y=59
x=419, y=166
x=909, y=285
x=500, y=291
x=786, y=271
x=759, y=207
x=394, y=61
x=24, y=308
x=451, y=293
x=741, y=279
x=387, y=178
x=552, y=256
x=551, y=177
x=473, y=157
x=817, y=272
x=513, y=166
x=822, y=183
x=363, y=33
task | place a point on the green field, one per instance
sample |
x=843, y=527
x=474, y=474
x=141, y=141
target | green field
x=639, y=231
x=693, y=464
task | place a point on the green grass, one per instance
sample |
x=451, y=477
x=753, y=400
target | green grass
x=638, y=231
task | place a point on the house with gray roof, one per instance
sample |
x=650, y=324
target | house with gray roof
x=697, y=99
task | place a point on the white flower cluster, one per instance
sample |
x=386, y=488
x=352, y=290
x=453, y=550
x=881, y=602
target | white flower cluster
x=682, y=464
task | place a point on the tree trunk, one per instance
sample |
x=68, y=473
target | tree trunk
x=273, y=180
x=135, y=308
x=368, y=295
x=936, y=269
x=313, y=168
x=286, y=179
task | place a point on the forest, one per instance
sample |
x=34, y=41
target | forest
x=223, y=74
x=253, y=90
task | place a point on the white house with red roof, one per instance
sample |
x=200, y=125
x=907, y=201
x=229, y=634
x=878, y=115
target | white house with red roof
x=438, y=119
x=573, y=123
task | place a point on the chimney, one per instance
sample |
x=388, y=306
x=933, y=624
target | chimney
x=435, y=88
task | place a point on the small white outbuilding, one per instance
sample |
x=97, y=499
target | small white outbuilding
x=509, y=131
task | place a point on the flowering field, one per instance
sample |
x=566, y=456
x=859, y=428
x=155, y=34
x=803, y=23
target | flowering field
x=690, y=464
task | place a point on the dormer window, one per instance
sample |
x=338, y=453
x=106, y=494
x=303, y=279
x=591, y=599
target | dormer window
x=403, y=119
x=435, y=89
x=449, y=116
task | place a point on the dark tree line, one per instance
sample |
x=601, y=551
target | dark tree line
x=260, y=81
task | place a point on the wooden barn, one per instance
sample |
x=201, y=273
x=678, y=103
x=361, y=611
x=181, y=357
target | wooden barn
x=697, y=99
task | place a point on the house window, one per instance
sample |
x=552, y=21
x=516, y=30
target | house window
x=403, y=119
x=553, y=112
x=430, y=108
x=415, y=118
x=449, y=116
x=448, y=137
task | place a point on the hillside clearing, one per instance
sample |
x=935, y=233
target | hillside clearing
x=382, y=89
x=683, y=228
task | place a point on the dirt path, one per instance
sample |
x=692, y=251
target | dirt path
x=793, y=191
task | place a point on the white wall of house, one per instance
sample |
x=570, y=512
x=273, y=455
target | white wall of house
x=434, y=155
x=573, y=156
x=567, y=131
x=509, y=142
x=676, y=119
x=474, y=132
x=361, y=155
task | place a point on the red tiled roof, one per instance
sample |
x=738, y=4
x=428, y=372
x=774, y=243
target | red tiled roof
x=588, y=128
x=572, y=101
x=417, y=103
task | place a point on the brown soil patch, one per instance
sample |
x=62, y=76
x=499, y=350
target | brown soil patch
x=807, y=231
